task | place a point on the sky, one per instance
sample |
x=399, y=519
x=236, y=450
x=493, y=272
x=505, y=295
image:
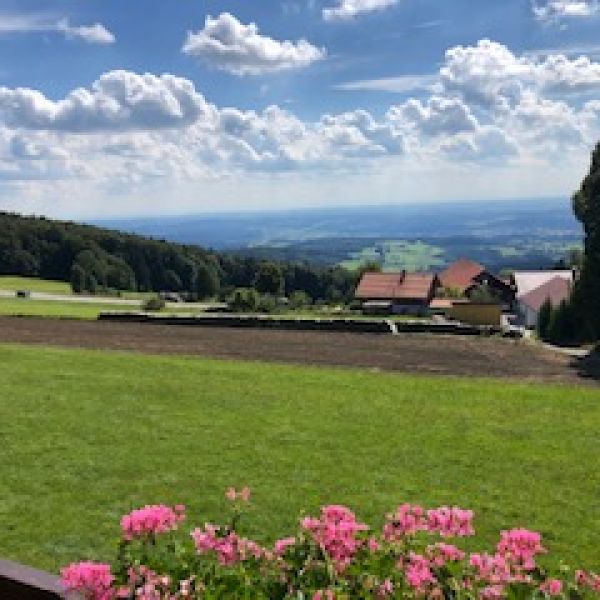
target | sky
x=113, y=108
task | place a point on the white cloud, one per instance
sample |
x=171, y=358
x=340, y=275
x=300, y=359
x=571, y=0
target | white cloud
x=49, y=23
x=227, y=44
x=400, y=85
x=93, y=34
x=348, y=9
x=488, y=108
x=548, y=10
x=117, y=100
x=487, y=144
x=490, y=75
x=438, y=116
x=26, y=23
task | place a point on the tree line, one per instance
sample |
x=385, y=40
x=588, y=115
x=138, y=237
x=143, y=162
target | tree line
x=95, y=260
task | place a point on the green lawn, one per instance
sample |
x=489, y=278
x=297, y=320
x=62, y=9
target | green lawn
x=88, y=435
x=28, y=307
x=53, y=308
x=34, y=285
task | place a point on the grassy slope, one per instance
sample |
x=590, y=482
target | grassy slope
x=53, y=308
x=34, y=285
x=87, y=435
x=72, y=310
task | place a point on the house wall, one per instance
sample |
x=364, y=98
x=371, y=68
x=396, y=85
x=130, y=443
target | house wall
x=416, y=308
x=476, y=314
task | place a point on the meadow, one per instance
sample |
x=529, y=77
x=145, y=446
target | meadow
x=61, y=288
x=26, y=307
x=72, y=309
x=87, y=435
x=34, y=284
x=398, y=255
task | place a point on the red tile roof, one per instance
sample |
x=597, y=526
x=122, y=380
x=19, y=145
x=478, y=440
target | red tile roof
x=395, y=286
x=556, y=290
x=461, y=274
x=416, y=286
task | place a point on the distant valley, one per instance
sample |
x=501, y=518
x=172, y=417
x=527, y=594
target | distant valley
x=501, y=234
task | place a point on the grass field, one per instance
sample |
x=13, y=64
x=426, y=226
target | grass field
x=87, y=435
x=34, y=285
x=71, y=309
x=53, y=308
x=397, y=255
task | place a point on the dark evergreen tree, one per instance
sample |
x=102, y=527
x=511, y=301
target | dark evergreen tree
x=544, y=319
x=78, y=278
x=207, y=281
x=586, y=204
x=269, y=279
x=172, y=281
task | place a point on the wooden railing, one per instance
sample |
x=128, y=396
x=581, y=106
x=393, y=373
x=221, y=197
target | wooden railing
x=18, y=582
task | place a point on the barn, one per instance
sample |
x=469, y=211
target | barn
x=396, y=293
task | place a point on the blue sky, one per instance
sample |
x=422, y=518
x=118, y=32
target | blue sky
x=137, y=107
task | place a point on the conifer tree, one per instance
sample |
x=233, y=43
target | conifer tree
x=586, y=204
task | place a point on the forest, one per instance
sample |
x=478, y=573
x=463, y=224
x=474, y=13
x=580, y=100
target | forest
x=96, y=260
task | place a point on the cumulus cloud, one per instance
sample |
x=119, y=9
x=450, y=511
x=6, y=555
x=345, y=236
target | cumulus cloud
x=349, y=9
x=227, y=44
x=489, y=74
x=487, y=106
x=48, y=23
x=438, y=116
x=117, y=100
x=487, y=144
x=548, y=10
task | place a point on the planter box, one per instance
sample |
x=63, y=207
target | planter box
x=18, y=582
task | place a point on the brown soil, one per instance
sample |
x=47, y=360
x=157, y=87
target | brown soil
x=415, y=353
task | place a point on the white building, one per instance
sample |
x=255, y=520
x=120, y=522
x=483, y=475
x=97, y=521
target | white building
x=534, y=288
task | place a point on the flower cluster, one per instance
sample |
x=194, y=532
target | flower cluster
x=227, y=545
x=410, y=519
x=336, y=533
x=89, y=579
x=332, y=557
x=151, y=520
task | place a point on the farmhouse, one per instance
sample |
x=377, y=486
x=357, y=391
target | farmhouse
x=534, y=288
x=465, y=276
x=398, y=293
x=461, y=275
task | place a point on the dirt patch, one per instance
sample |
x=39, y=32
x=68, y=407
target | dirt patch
x=415, y=353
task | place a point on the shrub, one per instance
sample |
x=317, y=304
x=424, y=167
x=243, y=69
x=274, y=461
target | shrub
x=267, y=304
x=299, y=299
x=155, y=303
x=244, y=300
x=332, y=556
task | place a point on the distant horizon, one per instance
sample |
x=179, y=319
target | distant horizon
x=481, y=203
